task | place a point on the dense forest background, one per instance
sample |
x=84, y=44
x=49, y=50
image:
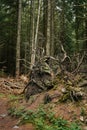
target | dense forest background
x=43, y=64
x=31, y=29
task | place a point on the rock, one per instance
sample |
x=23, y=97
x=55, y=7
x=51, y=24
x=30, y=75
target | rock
x=3, y=115
x=16, y=127
x=82, y=118
x=64, y=90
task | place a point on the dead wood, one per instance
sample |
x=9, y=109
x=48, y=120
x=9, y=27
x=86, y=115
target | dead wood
x=48, y=98
x=79, y=64
x=42, y=76
x=83, y=83
x=65, y=54
x=73, y=94
x=46, y=70
x=11, y=85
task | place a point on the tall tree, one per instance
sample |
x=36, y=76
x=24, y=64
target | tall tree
x=34, y=40
x=18, y=39
x=44, y=23
x=48, y=28
x=52, y=27
x=77, y=23
x=62, y=23
x=86, y=29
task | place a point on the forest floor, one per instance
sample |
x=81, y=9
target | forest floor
x=10, y=97
x=6, y=121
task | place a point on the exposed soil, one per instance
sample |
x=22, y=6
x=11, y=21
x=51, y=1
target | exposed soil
x=8, y=123
x=70, y=111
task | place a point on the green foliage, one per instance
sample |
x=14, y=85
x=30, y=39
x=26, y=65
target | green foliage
x=74, y=126
x=16, y=112
x=16, y=98
x=1, y=95
x=12, y=97
x=43, y=120
x=83, y=112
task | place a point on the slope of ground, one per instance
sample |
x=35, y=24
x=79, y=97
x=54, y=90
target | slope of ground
x=71, y=111
x=8, y=123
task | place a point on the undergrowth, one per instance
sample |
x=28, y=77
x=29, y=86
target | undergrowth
x=42, y=119
x=13, y=97
x=1, y=95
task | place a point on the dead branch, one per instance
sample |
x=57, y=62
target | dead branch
x=26, y=67
x=11, y=85
x=25, y=61
x=7, y=87
x=65, y=54
x=79, y=64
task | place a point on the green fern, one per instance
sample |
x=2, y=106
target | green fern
x=43, y=120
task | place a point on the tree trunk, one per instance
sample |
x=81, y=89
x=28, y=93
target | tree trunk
x=18, y=39
x=48, y=29
x=77, y=25
x=85, y=46
x=52, y=27
x=86, y=32
x=45, y=23
x=33, y=55
x=33, y=26
x=62, y=24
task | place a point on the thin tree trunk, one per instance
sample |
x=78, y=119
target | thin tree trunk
x=86, y=32
x=48, y=28
x=18, y=39
x=45, y=23
x=62, y=24
x=33, y=26
x=33, y=55
x=52, y=27
x=77, y=24
x=85, y=46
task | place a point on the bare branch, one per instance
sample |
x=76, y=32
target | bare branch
x=79, y=64
x=65, y=54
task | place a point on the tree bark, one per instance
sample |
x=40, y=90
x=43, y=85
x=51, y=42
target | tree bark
x=34, y=47
x=48, y=29
x=52, y=27
x=18, y=39
x=45, y=23
x=62, y=24
x=33, y=26
x=77, y=25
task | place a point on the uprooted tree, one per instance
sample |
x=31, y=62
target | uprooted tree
x=44, y=72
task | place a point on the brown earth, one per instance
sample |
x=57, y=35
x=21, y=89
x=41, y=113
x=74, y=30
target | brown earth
x=8, y=123
x=70, y=110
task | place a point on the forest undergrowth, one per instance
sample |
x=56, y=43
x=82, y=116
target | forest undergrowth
x=53, y=109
